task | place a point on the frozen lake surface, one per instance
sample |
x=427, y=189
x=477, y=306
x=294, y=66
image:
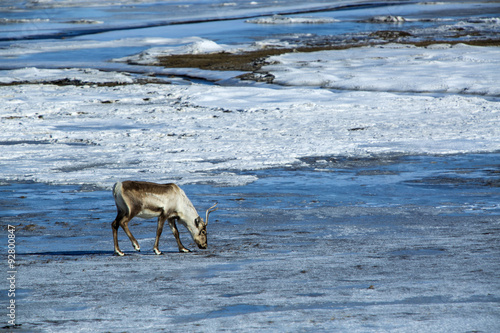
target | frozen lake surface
x=406, y=244
x=358, y=185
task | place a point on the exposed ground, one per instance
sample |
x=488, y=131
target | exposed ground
x=254, y=60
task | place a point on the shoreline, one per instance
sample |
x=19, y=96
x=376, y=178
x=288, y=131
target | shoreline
x=251, y=61
x=254, y=60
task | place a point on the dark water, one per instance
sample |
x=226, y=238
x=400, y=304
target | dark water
x=53, y=20
x=110, y=31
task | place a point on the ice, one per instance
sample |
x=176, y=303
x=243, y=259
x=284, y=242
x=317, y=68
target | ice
x=279, y=19
x=387, y=19
x=204, y=46
x=278, y=126
x=174, y=132
x=394, y=67
x=191, y=45
x=280, y=255
x=16, y=50
x=91, y=76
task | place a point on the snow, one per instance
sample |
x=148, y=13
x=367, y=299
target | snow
x=192, y=45
x=19, y=49
x=394, y=67
x=279, y=19
x=387, y=19
x=200, y=47
x=170, y=131
x=34, y=75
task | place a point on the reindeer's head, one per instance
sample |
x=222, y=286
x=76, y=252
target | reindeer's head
x=201, y=236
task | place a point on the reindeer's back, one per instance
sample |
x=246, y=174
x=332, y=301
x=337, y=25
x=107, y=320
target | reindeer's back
x=138, y=196
x=148, y=187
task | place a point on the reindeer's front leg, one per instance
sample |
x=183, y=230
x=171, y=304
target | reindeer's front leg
x=159, y=229
x=171, y=223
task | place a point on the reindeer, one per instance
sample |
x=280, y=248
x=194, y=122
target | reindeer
x=168, y=202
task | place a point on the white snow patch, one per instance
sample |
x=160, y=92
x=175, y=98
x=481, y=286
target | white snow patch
x=399, y=68
x=387, y=19
x=20, y=49
x=96, y=135
x=279, y=19
x=4, y=20
x=34, y=75
x=194, y=45
x=485, y=20
x=202, y=46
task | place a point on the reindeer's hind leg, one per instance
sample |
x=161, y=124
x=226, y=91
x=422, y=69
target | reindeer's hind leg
x=124, y=225
x=115, y=225
x=122, y=220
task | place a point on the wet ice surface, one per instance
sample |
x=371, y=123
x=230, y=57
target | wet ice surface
x=396, y=243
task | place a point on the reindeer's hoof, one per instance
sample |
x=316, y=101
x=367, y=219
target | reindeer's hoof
x=184, y=250
x=158, y=252
x=118, y=253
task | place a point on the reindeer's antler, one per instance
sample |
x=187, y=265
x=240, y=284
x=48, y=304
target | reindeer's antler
x=211, y=209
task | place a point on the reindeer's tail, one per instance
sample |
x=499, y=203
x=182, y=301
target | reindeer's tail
x=119, y=201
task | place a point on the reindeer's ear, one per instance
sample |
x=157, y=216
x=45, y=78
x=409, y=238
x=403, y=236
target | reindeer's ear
x=198, y=221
